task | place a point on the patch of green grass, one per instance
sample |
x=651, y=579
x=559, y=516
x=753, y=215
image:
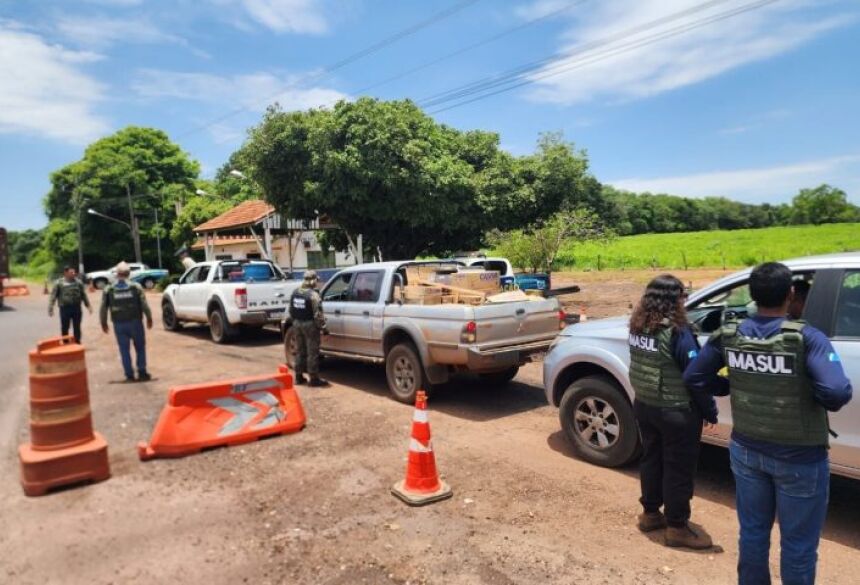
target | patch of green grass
x=711, y=249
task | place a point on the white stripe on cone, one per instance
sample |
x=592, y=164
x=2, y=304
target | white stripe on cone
x=420, y=416
x=417, y=447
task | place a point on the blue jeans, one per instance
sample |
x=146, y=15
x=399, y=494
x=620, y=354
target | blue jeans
x=796, y=493
x=128, y=332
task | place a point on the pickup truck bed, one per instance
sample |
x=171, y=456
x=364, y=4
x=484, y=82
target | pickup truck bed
x=423, y=345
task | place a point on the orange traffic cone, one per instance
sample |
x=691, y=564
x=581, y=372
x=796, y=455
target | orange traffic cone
x=582, y=316
x=422, y=484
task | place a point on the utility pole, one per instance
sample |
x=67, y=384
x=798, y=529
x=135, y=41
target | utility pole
x=158, y=236
x=135, y=229
x=78, y=209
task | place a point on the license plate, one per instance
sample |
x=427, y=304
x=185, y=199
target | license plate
x=275, y=312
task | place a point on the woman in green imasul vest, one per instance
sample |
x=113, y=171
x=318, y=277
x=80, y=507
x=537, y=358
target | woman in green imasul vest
x=670, y=422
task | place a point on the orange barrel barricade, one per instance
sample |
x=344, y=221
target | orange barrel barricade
x=218, y=414
x=63, y=447
x=422, y=484
x=15, y=289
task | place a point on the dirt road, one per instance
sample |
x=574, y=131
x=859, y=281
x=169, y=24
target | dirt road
x=314, y=507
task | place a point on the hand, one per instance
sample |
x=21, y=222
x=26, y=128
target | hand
x=709, y=426
x=325, y=331
x=50, y=311
x=149, y=323
x=105, y=328
x=90, y=309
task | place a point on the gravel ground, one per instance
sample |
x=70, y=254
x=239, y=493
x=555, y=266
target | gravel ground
x=315, y=507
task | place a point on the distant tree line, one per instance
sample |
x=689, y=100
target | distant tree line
x=631, y=213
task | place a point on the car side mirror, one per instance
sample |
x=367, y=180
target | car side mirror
x=398, y=286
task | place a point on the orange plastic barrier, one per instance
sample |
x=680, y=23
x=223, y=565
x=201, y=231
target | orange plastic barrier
x=63, y=447
x=219, y=414
x=15, y=289
x=422, y=484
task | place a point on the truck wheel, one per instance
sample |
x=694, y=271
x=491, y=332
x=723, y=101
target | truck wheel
x=148, y=283
x=290, y=348
x=168, y=317
x=499, y=378
x=598, y=421
x=404, y=373
x=100, y=283
x=219, y=328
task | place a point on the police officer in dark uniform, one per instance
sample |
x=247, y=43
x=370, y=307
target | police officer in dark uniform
x=127, y=305
x=308, y=322
x=670, y=420
x=783, y=376
x=68, y=293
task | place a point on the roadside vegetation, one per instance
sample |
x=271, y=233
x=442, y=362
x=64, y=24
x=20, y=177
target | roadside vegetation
x=708, y=249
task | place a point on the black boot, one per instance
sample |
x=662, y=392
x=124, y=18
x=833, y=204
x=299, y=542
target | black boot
x=318, y=382
x=300, y=379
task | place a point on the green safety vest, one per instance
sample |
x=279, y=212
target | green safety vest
x=771, y=395
x=70, y=294
x=125, y=304
x=656, y=378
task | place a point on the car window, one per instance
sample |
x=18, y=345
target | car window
x=708, y=314
x=191, y=276
x=848, y=306
x=366, y=287
x=203, y=275
x=338, y=289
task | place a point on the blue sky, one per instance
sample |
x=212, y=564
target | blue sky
x=665, y=95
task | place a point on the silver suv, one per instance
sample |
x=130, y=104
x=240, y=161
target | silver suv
x=586, y=371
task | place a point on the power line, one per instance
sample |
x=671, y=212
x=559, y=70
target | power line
x=467, y=48
x=566, y=65
x=502, y=78
x=374, y=48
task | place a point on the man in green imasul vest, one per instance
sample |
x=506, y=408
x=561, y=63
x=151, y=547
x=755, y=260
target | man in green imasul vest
x=68, y=293
x=783, y=376
x=126, y=303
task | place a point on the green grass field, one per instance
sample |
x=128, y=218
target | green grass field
x=712, y=249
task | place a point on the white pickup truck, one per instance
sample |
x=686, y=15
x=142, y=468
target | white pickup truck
x=227, y=295
x=423, y=345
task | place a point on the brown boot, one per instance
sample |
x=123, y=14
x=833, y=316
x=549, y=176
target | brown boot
x=690, y=536
x=649, y=521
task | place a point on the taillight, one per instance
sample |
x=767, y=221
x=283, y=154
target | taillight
x=562, y=319
x=469, y=333
x=241, y=295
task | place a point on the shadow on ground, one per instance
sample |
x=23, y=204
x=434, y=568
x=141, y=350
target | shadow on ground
x=714, y=482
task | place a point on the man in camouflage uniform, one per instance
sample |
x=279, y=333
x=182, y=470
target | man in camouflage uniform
x=308, y=322
x=68, y=293
x=127, y=304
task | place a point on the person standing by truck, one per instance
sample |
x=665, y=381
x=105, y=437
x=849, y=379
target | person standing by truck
x=68, y=293
x=783, y=377
x=308, y=321
x=127, y=305
x=670, y=421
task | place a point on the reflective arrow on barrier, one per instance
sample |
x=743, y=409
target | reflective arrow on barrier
x=264, y=403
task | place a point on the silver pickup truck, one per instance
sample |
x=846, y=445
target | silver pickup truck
x=423, y=345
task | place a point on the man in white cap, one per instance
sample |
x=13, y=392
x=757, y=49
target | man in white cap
x=127, y=304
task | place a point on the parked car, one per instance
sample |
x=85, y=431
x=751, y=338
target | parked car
x=228, y=295
x=586, y=371
x=523, y=281
x=423, y=345
x=140, y=273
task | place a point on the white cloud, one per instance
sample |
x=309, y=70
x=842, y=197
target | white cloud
x=45, y=92
x=688, y=58
x=295, y=16
x=249, y=91
x=102, y=31
x=761, y=185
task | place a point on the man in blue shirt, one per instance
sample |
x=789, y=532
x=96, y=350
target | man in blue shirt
x=783, y=377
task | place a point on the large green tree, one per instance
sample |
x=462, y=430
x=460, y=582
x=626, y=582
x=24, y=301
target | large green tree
x=823, y=204
x=135, y=170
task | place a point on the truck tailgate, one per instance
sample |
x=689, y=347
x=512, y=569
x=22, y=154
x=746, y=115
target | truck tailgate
x=516, y=323
x=272, y=297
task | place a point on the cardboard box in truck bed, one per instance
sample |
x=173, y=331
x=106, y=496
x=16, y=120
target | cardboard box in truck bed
x=487, y=281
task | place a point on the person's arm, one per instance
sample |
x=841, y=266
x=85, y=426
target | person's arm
x=103, y=310
x=702, y=375
x=52, y=300
x=831, y=387
x=85, y=297
x=685, y=348
x=144, y=306
x=319, y=316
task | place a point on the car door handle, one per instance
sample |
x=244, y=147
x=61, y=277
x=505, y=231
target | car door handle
x=521, y=311
x=366, y=313
x=337, y=311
